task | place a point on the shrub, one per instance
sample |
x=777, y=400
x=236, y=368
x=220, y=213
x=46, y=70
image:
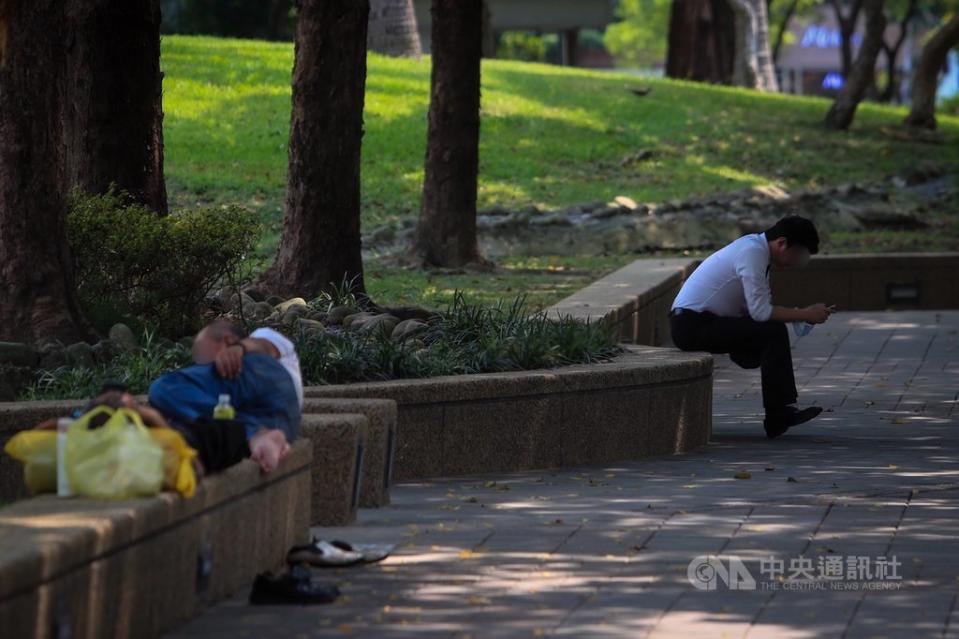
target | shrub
x=132, y=264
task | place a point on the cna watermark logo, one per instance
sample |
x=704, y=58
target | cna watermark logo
x=823, y=572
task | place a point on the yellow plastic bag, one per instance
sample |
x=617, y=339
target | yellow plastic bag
x=178, y=459
x=118, y=460
x=37, y=451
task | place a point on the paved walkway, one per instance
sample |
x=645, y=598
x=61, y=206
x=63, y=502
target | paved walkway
x=605, y=552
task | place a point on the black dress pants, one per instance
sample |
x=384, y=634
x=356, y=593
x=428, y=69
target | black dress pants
x=219, y=443
x=750, y=344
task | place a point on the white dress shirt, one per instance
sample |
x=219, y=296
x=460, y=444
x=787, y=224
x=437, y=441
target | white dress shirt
x=288, y=357
x=732, y=282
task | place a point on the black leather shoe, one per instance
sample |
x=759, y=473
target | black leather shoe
x=778, y=422
x=295, y=586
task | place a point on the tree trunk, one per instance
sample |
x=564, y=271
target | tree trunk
x=393, y=30
x=753, y=63
x=783, y=28
x=113, y=114
x=37, y=302
x=892, y=54
x=925, y=79
x=446, y=231
x=320, y=245
x=847, y=27
x=860, y=77
x=702, y=41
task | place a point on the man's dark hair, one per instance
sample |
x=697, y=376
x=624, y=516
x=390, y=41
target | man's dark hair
x=223, y=327
x=796, y=230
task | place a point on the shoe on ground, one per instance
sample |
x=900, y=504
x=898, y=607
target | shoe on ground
x=295, y=586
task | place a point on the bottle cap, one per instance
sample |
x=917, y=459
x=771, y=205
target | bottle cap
x=224, y=399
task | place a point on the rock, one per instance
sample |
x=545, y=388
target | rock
x=80, y=354
x=105, y=350
x=385, y=323
x=249, y=309
x=607, y=212
x=411, y=312
x=122, y=335
x=256, y=294
x=349, y=320
x=274, y=300
x=285, y=306
x=317, y=316
x=494, y=211
x=13, y=381
x=625, y=202
x=336, y=314
x=17, y=354
x=186, y=342
x=382, y=235
x=294, y=313
x=308, y=326
x=552, y=219
x=408, y=328
x=241, y=301
x=262, y=310
x=52, y=355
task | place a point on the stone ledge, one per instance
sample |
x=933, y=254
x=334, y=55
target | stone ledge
x=571, y=415
x=338, y=443
x=380, y=446
x=76, y=566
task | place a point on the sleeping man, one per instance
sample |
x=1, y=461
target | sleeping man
x=261, y=375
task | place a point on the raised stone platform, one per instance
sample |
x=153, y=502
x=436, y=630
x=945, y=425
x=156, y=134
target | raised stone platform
x=84, y=568
x=647, y=401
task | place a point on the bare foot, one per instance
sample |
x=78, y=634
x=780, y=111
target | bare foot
x=267, y=448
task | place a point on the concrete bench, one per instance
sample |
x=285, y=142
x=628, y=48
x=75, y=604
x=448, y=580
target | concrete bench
x=379, y=447
x=339, y=442
x=82, y=568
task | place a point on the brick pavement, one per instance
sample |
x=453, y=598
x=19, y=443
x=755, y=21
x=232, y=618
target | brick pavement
x=604, y=551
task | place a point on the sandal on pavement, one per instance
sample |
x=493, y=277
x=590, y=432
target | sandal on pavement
x=323, y=554
x=370, y=552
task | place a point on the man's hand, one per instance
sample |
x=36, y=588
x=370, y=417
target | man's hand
x=229, y=361
x=817, y=313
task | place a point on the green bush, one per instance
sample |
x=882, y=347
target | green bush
x=136, y=266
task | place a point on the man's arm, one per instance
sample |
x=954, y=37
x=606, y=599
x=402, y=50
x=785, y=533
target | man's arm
x=229, y=361
x=815, y=314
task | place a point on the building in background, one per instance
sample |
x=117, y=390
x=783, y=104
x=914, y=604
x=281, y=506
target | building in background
x=567, y=18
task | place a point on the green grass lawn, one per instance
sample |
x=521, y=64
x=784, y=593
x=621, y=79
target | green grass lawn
x=551, y=136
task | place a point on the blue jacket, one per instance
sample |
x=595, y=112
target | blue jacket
x=263, y=395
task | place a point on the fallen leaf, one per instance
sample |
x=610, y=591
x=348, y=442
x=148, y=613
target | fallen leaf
x=743, y=474
x=792, y=479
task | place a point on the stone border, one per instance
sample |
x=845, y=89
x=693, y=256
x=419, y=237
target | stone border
x=646, y=401
x=635, y=299
x=79, y=567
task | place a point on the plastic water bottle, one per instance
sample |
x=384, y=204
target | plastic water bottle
x=801, y=329
x=224, y=409
x=63, y=482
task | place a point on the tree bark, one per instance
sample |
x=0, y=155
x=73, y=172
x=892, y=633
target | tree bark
x=393, y=30
x=702, y=41
x=113, y=114
x=860, y=77
x=892, y=54
x=320, y=245
x=446, y=231
x=783, y=28
x=925, y=79
x=847, y=27
x=37, y=302
x=753, y=63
